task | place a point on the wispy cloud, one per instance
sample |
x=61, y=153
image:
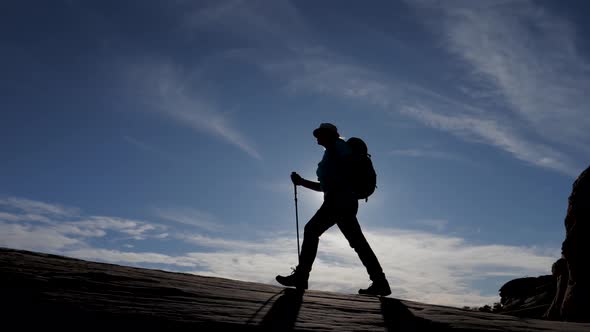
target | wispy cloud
x=527, y=91
x=522, y=57
x=525, y=55
x=430, y=108
x=117, y=256
x=321, y=71
x=437, y=224
x=39, y=238
x=35, y=208
x=164, y=89
x=490, y=131
x=191, y=217
x=138, y=230
x=530, y=55
x=427, y=152
x=439, y=270
x=149, y=148
x=5, y=216
x=53, y=226
x=261, y=23
x=264, y=25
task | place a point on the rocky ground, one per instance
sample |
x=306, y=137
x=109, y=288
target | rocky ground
x=54, y=292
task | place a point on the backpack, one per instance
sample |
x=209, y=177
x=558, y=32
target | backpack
x=362, y=175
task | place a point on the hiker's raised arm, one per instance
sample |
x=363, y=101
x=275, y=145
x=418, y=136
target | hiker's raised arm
x=299, y=181
x=311, y=185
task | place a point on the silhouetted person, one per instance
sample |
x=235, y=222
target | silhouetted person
x=339, y=208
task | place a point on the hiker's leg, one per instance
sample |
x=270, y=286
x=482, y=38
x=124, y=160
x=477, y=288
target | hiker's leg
x=317, y=225
x=349, y=226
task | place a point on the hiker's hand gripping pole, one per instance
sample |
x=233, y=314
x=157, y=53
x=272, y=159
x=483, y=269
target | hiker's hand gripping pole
x=299, y=181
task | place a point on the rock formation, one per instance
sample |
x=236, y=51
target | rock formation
x=564, y=295
x=527, y=297
x=58, y=293
x=572, y=299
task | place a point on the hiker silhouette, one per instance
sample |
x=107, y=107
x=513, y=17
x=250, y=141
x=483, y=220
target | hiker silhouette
x=339, y=208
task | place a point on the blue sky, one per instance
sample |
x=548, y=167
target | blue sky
x=162, y=134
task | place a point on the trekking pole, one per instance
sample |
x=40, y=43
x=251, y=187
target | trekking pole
x=297, y=222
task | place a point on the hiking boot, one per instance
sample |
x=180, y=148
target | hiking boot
x=380, y=288
x=297, y=279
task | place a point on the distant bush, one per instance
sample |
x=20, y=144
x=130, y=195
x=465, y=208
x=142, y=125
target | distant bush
x=495, y=308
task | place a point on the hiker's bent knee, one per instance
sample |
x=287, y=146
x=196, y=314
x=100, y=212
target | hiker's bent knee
x=311, y=231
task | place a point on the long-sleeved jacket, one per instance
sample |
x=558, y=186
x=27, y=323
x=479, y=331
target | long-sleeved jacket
x=334, y=169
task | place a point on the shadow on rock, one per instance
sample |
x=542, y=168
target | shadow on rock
x=398, y=317
x=284, y=312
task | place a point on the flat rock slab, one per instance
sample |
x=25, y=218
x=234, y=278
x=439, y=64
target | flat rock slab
x=55, y=292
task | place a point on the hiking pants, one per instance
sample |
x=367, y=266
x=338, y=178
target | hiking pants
x=342, y=212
